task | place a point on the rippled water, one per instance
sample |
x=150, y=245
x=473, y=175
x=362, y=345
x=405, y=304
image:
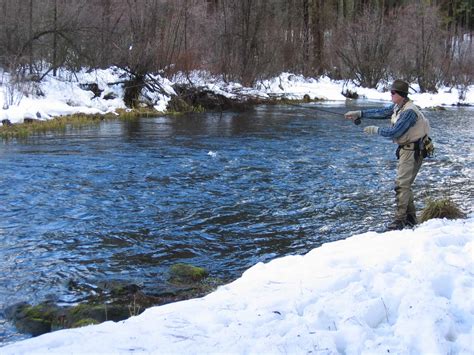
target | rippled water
x=125, y=200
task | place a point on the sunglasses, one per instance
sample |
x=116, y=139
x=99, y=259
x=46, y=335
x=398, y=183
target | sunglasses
x=393, y=92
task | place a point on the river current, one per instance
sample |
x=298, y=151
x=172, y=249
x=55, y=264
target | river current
x=126, y=200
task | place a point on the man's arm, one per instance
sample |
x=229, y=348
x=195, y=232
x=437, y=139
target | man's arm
x=406, y=120
x=378, y=113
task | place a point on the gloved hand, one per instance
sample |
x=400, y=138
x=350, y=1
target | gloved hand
x=353, y=115
x=371, y=130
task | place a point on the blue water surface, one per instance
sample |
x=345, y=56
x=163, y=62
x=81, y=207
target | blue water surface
x=126, y=200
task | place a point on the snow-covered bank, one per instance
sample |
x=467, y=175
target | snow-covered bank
x=63, y=95
x=400, y=292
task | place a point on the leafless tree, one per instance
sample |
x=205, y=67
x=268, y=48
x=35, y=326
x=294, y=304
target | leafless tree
x=243, y=40
x=365, y=46
x=420, y=48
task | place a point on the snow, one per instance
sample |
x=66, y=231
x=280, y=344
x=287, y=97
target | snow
x=402, y=292
x=399, y=292
x=62, y=95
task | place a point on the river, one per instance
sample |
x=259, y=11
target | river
x=124, y=200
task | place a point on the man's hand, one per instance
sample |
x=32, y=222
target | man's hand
x=371, y=130
x=353, y=115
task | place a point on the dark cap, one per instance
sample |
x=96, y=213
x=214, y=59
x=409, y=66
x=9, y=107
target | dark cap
x=400, y=86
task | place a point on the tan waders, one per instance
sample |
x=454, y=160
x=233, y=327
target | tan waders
x=409, y=164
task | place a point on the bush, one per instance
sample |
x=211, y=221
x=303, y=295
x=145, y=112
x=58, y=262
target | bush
x=444, y=208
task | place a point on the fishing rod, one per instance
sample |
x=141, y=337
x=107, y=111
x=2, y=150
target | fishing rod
x=357, y=121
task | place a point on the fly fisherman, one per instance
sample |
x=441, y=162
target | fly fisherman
x=410, y=130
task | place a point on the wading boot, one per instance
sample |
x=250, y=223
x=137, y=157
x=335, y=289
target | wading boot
x=395, y=225
x=411, y=221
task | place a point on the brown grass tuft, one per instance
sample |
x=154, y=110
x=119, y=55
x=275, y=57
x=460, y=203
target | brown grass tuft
x=444, y=208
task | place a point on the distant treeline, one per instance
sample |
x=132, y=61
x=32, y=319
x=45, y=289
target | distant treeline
x=366, y=41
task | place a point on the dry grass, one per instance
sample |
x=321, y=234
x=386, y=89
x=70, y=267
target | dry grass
x=61, y=123
x=58, y=124
x=444, y=208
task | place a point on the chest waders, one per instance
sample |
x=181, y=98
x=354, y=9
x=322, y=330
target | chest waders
x=410, y=157
x=409, y=164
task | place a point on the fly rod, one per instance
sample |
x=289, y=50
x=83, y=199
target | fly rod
x=357, y=121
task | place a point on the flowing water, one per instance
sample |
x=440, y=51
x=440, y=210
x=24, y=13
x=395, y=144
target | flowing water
x=125, y=200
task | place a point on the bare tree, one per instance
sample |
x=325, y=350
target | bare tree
x=318, y=29
x=244, y=40
x=365, y=46
x=462, y=70
x=420, y=46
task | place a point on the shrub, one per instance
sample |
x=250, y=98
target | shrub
x=444, y=208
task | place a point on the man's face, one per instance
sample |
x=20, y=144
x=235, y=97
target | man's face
x=396, y=99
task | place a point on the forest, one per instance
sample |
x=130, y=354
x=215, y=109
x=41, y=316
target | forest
x=363, y=41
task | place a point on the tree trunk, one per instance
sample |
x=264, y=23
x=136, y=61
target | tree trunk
x=306, y=63
x=55, y=37
x=133, y=89
x=318, y=35
x=30, y=35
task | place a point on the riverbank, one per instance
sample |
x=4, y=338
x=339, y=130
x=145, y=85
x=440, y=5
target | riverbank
x=101, y=92
x=371, y=293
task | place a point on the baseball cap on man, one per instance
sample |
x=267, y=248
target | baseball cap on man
x=401, y=87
